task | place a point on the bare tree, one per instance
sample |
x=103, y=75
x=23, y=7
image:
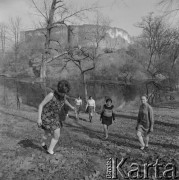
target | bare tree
x=83, y=59
x=161, y=45
x=174, y=48
x=3, y=37
x=156, y=38
x=127, y=72
x=86, y=57
x=15, y=26
x=169, y=6
x=55, y=14
x=169, y=66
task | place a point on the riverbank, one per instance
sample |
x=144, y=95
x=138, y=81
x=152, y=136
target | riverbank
x=82, y=151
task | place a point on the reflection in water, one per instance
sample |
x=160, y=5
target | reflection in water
x=5, y=100
x=18, y=98
x=14, y=92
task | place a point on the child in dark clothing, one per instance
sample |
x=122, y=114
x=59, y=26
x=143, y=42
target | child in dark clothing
x=64, y=112
x=107, y=115
x=52, y=112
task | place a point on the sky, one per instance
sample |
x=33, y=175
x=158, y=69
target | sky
x=123, y=14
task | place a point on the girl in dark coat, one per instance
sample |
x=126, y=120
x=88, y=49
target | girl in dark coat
x=107, y=115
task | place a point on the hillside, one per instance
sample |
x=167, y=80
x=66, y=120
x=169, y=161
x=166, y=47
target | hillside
x=81, y=35
x=114, y=43
x=82, y=152
x=108, y=66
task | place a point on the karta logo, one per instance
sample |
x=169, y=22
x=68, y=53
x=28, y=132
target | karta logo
x=115, y=170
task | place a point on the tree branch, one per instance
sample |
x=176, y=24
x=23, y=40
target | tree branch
x=55, y=41
x=54, y=49
x=65, y=65
x=89, y=69
x=58, y=2
x=59, y=6
x=56, y=57
x=77, y=62
x=75, y=13
x=39, y=10
x=46, y=11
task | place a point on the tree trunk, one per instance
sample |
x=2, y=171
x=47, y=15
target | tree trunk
x=5, y=94
x=85, y=86
x=47, y=41
x=15, y=60
x=43, y=71
x=43, y=87
x=18, y=101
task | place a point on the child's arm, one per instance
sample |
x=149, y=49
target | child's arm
x=94, y=106
x=68, y=104
x=138, y=120
x=113, y=115
x=102, y=112
x=45, y=101
x=151, y=119
x=86, y=106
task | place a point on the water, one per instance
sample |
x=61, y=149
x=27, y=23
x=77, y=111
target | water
x=15, y=93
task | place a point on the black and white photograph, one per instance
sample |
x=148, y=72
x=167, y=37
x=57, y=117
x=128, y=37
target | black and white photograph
x=89, y=89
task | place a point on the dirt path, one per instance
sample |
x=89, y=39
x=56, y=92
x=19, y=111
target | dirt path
x=82, y=151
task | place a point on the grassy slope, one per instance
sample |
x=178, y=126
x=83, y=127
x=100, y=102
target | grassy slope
x=81, y=152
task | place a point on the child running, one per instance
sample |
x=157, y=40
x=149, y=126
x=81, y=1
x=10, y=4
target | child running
x=51, y=114
x=107, y=115
x=78, y=102
x=90, y=107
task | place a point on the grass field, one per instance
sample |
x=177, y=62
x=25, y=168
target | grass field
x=82, y=151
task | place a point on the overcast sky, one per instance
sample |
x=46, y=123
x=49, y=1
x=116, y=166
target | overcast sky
x=122, y=13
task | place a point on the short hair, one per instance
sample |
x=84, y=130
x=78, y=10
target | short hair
x=63, y=86
x=143, y=96
x=108, y=99
x=90, y=97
